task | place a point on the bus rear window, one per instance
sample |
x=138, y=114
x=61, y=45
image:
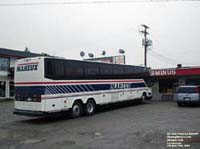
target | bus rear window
x=187, y=90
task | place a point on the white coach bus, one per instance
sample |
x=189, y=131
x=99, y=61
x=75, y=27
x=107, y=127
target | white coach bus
x=46, y=85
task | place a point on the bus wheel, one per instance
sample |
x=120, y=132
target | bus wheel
x=90, y=107
x=77, y=109
x=143, y=98
x=179, y=104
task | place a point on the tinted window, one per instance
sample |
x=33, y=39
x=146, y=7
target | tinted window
x=138, y=85
x=92, y=69
x=74, y=69
x=105, y=69
x=117, y=70
x=54, y=68
x=187, y=90
x=129, y=70
x=60, y=69
x=48, y=67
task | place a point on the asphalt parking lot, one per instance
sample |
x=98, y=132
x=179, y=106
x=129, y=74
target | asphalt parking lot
x=136, y=126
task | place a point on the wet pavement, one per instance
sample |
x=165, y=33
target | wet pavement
x=128, y=127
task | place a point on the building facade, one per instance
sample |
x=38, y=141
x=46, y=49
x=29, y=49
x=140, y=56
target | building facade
x=166, y=81
x=7, y=64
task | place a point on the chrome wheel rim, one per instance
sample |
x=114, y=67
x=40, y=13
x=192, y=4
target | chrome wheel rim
x=143, y=98
x=90, y=108
x=76, y=110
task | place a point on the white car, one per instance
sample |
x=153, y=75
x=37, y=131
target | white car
x=187, y=95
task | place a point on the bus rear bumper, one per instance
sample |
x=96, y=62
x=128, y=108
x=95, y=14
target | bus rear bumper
x=39, y=113
x=149, y=98
x=30, y=113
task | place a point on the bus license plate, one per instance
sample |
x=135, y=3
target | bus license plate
x=187, y=99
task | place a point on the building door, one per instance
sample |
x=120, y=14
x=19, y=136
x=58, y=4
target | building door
x=2, y=89
x=11, y=87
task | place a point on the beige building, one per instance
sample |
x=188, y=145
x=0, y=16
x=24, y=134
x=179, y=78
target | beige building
x=7, y=64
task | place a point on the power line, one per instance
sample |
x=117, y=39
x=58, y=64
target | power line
x=158, y=60
x=162, y=56
x=92, y=2
x=166, y=59
x=163, y=60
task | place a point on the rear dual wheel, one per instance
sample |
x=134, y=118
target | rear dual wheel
x=78, y=109
x=90, y=107
x=143, y=98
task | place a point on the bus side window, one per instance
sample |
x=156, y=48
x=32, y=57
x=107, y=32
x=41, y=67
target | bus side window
x=58, y=68
x=118, y=71
x=48, y=68
x=74, y=67
x=92, y=70
x=105, y=71
x=141, y=85
x=54, y=68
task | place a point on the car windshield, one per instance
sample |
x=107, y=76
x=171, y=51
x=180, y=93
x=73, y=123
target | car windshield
x=187, y=90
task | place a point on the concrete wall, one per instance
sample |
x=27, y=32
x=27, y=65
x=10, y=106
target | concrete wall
x=155, y=91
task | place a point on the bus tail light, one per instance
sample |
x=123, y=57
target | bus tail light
x=36, y=98
x=197, y=90
x=17, y=97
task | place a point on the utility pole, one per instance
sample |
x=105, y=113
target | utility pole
x=145, y=42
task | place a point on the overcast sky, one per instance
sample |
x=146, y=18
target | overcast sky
x=65, y=30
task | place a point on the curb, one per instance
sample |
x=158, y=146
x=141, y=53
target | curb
x=6, y=100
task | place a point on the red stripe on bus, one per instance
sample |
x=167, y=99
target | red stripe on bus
x=131, y=81
x=29, y=63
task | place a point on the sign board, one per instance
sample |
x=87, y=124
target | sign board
x=163, y=72
x=120, y=59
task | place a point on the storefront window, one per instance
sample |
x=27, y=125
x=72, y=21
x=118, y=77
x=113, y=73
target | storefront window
x=193, y=81
x=4, y=64
x=167, y=85
x=2, y=88
x=11, y=88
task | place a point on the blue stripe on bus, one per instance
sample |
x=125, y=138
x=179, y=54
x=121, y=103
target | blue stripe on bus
x=60, y=89
x=30, y=90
